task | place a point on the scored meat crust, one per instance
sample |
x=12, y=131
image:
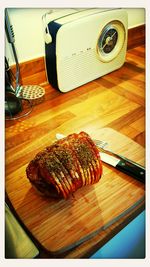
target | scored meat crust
x=63, y=167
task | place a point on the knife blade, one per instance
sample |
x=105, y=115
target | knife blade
x=124, y=166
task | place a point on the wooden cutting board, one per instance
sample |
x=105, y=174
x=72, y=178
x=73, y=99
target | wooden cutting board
x=59, y=225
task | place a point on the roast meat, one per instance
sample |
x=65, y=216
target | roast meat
x=63, y=167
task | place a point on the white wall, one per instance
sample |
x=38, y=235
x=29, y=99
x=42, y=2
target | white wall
x=136, y=17
x=27, y=26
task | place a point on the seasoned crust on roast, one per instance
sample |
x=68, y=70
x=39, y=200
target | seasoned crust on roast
x=68, y=164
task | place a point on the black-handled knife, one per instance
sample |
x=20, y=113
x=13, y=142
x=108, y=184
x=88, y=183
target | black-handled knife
x=129, y=168
x=119, y=162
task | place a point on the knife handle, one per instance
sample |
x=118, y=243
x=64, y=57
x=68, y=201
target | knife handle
x=132, y=170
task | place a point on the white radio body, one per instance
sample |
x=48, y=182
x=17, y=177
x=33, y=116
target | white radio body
x=83, y=45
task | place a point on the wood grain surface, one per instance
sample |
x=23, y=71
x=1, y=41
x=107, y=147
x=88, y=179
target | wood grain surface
x=60, y=225
x=114, y=102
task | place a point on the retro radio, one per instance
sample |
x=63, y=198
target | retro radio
x=82, y=45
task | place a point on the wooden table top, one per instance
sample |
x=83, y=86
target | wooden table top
x=111, y=108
